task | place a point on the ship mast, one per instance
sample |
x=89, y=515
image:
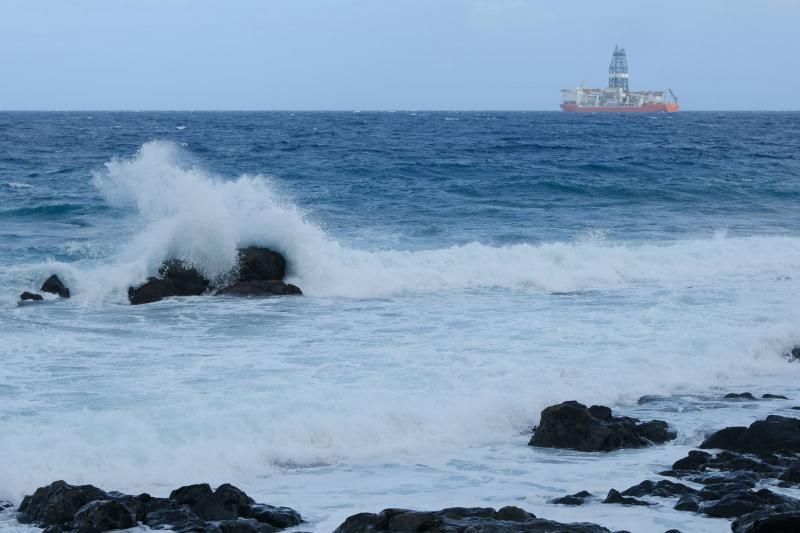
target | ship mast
x=618, y=70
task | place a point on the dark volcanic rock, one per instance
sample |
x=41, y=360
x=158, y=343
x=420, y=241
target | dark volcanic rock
x=774, y=397
x=776, y=434
x=153, y=290
x=103, y=515
x=579, y=498
x=572, y=425
x=259, y=288
x=739, y=396
x=663, y=488
x=280, y=517
x=690, y=502
x=460, y=520
x=614, y=496
x=695, y=460
x=193, y=508
x=735, y=503
x=53, y=285
x=57, y=503
x=25, y=296
x=257, y=263
x=187, y=280
x=767, y=522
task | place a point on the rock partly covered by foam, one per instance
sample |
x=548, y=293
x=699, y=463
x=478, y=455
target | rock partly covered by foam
x=87, y=509
x=30, y=296
x=460, y=520
x=53, y=285
x=571, y=425
x=259, y=272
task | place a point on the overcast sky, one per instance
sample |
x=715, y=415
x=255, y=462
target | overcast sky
x=390, y=54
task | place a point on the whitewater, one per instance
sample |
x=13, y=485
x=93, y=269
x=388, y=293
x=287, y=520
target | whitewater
x=449, y=296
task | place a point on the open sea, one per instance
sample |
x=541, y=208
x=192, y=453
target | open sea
x=461, y=272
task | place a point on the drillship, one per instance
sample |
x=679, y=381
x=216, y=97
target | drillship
x=616, y=98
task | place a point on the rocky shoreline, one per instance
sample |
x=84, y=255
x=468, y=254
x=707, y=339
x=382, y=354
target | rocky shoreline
x=732, y=475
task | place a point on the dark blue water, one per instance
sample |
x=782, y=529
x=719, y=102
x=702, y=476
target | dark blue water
x=416, y=180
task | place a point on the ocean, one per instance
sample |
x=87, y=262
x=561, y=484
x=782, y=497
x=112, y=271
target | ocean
x=461, y=271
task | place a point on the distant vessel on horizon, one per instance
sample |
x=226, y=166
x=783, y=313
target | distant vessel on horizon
x=616, y=98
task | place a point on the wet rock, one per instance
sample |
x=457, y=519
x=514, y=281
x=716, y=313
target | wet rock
x=153, y=290
x=53, y=285
x=257, y=264
x=103, y=515
x=775, y=434
x=736, y=503
x=774, y=397
x=460, y=520
x=663, y=489
x=30, y=296
x=690, y=502
x=614, y=496
x=571, y=425
x=179, y=518
x=259, y=288
x=739, y=477
x=245, y=525
x=739, y=396
x=57, y=503
x=579, y=498
x=793, y=354
x=281, y=517
x=186, y=279
x=767, y=522
x=695, y=460
x=5, y=505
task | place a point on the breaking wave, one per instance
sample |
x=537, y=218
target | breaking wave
x=181, y=210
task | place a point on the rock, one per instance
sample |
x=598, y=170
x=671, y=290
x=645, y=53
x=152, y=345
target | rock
x=57, y=503
x=153, y=290
x=774, y=397
x=180, y=518
x=740, y=396
x=695, y=460
x=690, y=502
x=460, y=520
x=5, y=505
x=186, y=279
x=53, y=285
x=740, y=477
x=246, y=525
x=571, y=425
x=793, y=354
x=260, y=264
x=259, y=288
x=614, y=496
x=663, y=489
x=281, y=517
x=25, y=296
x=103, y=515
x=767, y=522
x=579, y=498
x=776, y=434
x=740, y=502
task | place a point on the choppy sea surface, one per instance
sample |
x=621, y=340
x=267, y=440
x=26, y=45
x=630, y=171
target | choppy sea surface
x=461, y=272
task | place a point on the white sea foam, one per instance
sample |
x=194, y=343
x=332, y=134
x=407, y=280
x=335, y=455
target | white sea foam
x=18, y=185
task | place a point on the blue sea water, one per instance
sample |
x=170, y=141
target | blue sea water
x=461, y=272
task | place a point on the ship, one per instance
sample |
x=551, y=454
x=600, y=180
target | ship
x=617, y=98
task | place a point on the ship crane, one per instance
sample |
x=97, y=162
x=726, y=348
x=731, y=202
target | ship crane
x=675, y=98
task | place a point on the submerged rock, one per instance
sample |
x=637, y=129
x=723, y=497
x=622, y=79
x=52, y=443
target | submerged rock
x=769, y=396
x=460, y=520
x=663, y=489
x=30, y=296
x=579, y=498
x=614, y=496
x=259, y=288
x=87, y=509
x=571, y=425
x=53, y=285
x=739, y=396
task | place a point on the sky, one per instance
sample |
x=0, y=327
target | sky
x=390, y=54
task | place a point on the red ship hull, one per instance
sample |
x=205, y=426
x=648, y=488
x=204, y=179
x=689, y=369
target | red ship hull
x=647, y=108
